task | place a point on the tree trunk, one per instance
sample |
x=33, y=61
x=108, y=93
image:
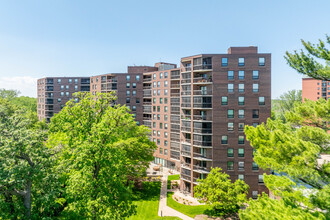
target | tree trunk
x=27, y=200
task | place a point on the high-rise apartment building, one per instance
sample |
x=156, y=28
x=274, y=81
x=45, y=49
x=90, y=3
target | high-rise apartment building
x=54, y=92
x=196, y=113
x=314, y=89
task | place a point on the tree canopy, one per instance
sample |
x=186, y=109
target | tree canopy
x=99, y=149
x=286, y=103
x=217, y=190
x=307, y=64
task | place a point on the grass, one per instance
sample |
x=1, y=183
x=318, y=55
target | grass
x=172, y=177
x=189, y=210
x=147, y=202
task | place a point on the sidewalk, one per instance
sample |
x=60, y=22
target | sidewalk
x=164, y=210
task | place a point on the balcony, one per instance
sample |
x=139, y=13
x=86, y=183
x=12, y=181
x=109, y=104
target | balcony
x=204, y=144
x=185, y=177
x=50, y=81
x=146, y=118
x=147, y=109
x=85, y=81
x=186, y=153
x=49, y=88
x=203, y=130
x=147, y=79
x=186, y=105
x=49, y=102
x=175, y=75
x=186, y=93
x=204, y=105
x=146, y=87
x=186, y=69
x=186, y=165
x=175, y=119
x=175, y=94
x=202, y=80
x=200, y=169
x=186, y=141
x=185, y=129
x=147, y=93
x=147, y=123
x=203, y=92
x=202, y=67
x=202, y=157
x=202, y=117
x=175, y=86
x=186, y=81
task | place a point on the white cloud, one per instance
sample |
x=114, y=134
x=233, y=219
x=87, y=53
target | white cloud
x=27, y=85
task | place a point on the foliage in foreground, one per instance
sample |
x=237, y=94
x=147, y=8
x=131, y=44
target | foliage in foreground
x=28, y=186
x=291, y=150
x=100, y=149
x=286, y=103
x=305, y=63
x=220, y=193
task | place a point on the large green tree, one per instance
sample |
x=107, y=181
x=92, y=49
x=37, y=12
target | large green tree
x=224, y=196
x=308, y=64
x=99, y=149
x=286, y=103
x=292, y=150
x=8, y=94
x=28, y=185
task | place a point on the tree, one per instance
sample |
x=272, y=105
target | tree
x=100, y=149
x=27, y=102
x=8, y=94
x=286, y=103
x=306, y=63
x=28, y=186
x=292, y=150
x=224, y=196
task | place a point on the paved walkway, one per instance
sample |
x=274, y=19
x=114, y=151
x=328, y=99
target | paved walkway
x=163, y=209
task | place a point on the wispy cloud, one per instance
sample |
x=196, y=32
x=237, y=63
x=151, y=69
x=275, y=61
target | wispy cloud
x=27, y=85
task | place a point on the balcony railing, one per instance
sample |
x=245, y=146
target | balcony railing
x=186, y=105
x=146, y=87
x=186, y=165
x=199, y=156
x=186, y=153
x=174, y=86
x=147, y=93
x=202, y=143
x=203, y=169
x=175, y=75
x=203, y=117
x=203, y=105
x=203, y=130
x=175, y=139
x=186, y=93
x=147, y=79
x=201, y=80
x=185, y=177
x=203, y=67
x=185, y=81
x=203, y=92
x=186, y=69
x=175, y=94
x=186, y=129
x=147, y=118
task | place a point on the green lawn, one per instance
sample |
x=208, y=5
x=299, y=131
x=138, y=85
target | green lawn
x=147, y=202
x=172, y=177
x=189, y=210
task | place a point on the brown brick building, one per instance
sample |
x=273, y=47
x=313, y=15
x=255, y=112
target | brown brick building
x=314, y=89
x=54, y=92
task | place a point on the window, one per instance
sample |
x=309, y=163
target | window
x=165, y=143
x=224, y=139
x=158, y=108
x=158, y=116
x=128, y=85
x=62, y=93
x=154, y=140
x=158, y=84
x=241, y=113
x=128, y=100
x=255, y=74
x=134, y=108
x=70, y=80
x=261, y=61
x=230, y=152
x=255, y=113
x=240, y=139
x=230, y=87
x=165, y=134
x=230, y=126
x=230, y=113
x=240, y=152
x=158, y=92
x=240, y=165
x=154, y=124
x=165, y=108
x=154, y=76
x=165, y=100
x=137, y=100
x=154, y=92
x=67, y=93
x=261, y=100
x=76, y=100
x=62, y=87
x=230, y=75
x=240, y=88
x=261, y=178
x=165, y=125
x=137, y=78
x=134, y=85
x=154, y=100
x=154, y=133
x=165, y=74
x=134, y=92
x=161, y=100
x=165, y=117
x=255, y=124
x=154, y=116
x=154, y=108
x=154, y=84
x=224, y=61
x=230, y=165
x=165, y=92
x=240, y=176
x=165, y=83
x=67, y=87
x=241, y=75
x=241, y=61
x=128, y=93
x=224, y=100
x=255, y=87
x=137, y=123
x=97, y=79
x=59, y=81
x=75, y=88
x=59, y=100
x=161, y=76
x=254, y=194
x=75, y=81
x=255, y=166
x=160, y=149
x=158, y=132
x=165, y=150
x=128, y=77
x=241, y=100
x=241, y=126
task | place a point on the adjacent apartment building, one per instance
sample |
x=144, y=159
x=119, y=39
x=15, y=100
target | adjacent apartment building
x=314, y=89
x=196, y=112
x=54, y=92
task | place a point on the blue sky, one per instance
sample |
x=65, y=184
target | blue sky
x=82, y=38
